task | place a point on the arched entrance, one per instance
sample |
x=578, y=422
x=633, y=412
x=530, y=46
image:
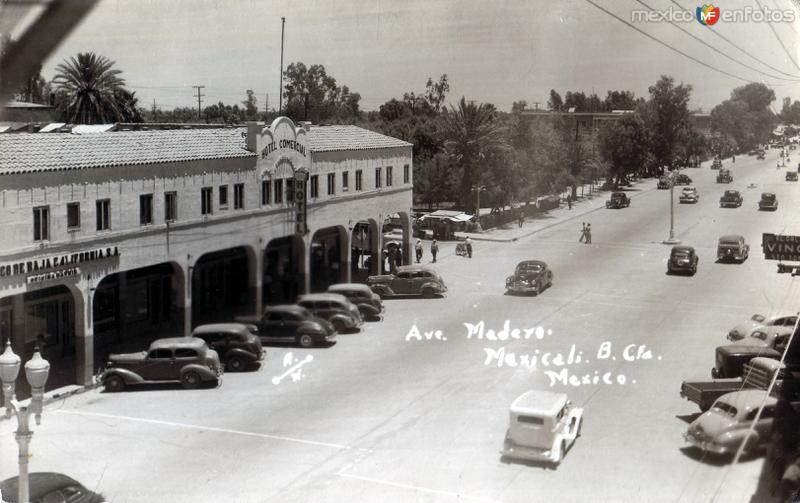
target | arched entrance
x=284, y=275
x=364, y=250
x=329, y=260
x=220, y=286
x=132, y=308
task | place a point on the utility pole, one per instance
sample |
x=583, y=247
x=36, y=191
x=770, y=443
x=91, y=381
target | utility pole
x=537, y=103
x=154, y=108
x=266, y=107
x=280, y=89
x=199, y=101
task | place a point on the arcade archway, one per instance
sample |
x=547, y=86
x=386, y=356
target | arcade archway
x=329, y=258
x=284, y=275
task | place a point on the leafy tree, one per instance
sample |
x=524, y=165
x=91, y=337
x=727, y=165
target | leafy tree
x=90, y=91
x=575, y=100
x=746, y=116
x=224, y=114
x=555, y=103
x=790, y=113
x=620, y=100
x=623, y=145
x=250, y=105
x=177, y=115
x=472, y=134
x=518, y=106
x=312, y=94
x=435, y=92
x=666, y=115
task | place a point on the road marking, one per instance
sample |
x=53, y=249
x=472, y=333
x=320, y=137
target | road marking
x=455, y=495
x=211, y=428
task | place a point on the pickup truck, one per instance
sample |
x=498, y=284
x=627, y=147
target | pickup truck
x=758, y=374
x=771, y=343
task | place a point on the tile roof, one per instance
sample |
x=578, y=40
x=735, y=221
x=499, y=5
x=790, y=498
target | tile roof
x=332, y=138
x=24, y=152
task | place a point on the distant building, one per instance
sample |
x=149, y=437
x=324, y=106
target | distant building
x=34, y=113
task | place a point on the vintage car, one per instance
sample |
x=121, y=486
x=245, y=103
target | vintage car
x=185, y=359
x=289, y=323
x=663, y=182
x=791, y=176
x=758, y=373
x=689, y=195
x=682, y=259
x=716, y=164
x=367, y=301
x=49, y=487
x=723, y=428
x=768, y=201
x=682, y=179
x=730, y=199
x=340, y=312
x=542, y=426
x=530, y=276
x=724, y=176
x=761, y=155
x=732, y=248
x=236, y=346
x=757, y=321
x=730, y=359
x=618, y=200
x=409, y=280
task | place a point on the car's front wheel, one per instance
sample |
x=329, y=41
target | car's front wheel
x=305, y=341
x=339, y=326
x=191, y=380
x=428, y=293
x=114, y=384
x=235, y=364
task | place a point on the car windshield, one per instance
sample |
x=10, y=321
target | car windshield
x=529, y=268
x=758, y=317
x=680, y=254
x=759, y=335
x=725, y=408
x=730, y=242
x=730, y=193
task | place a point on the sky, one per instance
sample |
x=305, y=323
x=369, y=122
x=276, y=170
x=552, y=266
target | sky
x=496, y=52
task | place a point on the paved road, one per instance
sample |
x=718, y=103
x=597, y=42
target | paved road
x=378, y=417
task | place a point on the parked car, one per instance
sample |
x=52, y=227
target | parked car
x=723, y=428
x=716, y=164
x=618, y=200
x=768, y=202
x=290, y=323
x=761, y=156
x=367, y=301
x=791, y=176
x=732, y=248
x=236, y=346
x=682, y=259
x=756, y=374
x=724, y=176
x=530, y=276
x=730, y=199
x=730, y=359
x=409, y=280
x=757, y=321
x=343, y=314
x=542, y=427
x=49, y=487
x=689, y=195
x=663, y=182
x=185, y=359
x=683, y=179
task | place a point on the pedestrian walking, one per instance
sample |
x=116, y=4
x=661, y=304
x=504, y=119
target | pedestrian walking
x=468, y=243
x=418, y=249
x=521, y=219
x=434, y=249
x=583, y=232
x=588, y=234
x=569, y=201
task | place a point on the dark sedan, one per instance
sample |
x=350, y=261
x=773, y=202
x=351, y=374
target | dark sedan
x=49, y=487
x=530, y=276
x=682, y=259
x=369, y=303
x=291, y=323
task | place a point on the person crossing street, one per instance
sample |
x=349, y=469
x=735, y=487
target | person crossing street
x=434, y=249
x=418, y=249
x=468, y=243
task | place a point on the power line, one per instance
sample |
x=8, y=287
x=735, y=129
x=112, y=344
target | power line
x=726, y=39
x=779, y=39
x=717, y=50
x=629, y=25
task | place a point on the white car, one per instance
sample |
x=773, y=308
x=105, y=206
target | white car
x=689, y=195
x=757, y=321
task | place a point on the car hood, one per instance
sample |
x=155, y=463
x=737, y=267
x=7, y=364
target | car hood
x=127, y=357
x=712, y=424
x=526, y=276
x=380, y=278
x=743, y=329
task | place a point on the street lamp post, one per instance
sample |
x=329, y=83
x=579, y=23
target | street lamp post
x=478, y=189
x=671, y=240
x=36, y=372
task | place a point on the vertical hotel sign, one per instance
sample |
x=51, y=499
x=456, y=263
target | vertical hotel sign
x=283, y=150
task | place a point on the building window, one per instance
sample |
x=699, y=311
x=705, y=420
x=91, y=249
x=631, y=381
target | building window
x=359, y=180
x=278, y=191
x=73, y=216
x=103, y=214
x=331, y=184
x=377, y=178
x=170, y=206
x=223, y=196
x=265, y=191
x=206, y=202
x=314, y=186
x=345, y=181
x=238, y=196
x=41, y=223
x=388, y=176
x=289, y=190
x=406, y=174
x=146, y=209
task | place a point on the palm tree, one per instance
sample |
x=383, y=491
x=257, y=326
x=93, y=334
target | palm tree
x=91, y=91
x=473, y=136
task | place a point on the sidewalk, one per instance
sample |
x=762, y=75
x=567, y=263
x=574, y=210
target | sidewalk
x=584, y=205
